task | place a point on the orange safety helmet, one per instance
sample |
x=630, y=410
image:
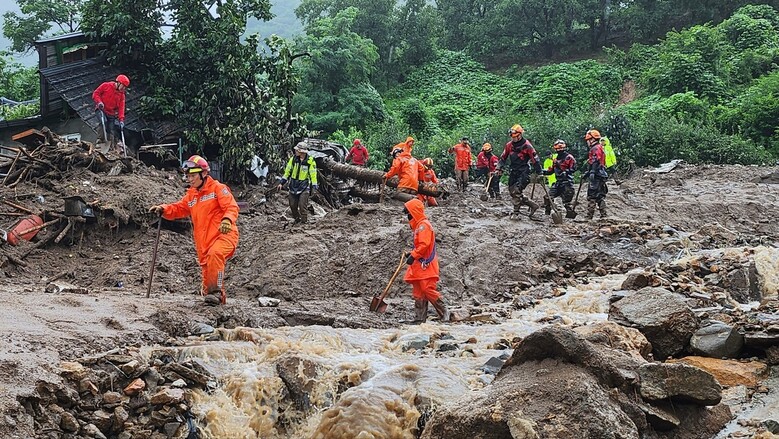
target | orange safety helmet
x=195, y=164
x=124, y=80
x=516, y=131
x=592, y=134
x=428, y=162
x=486, y=147
x=559, y=145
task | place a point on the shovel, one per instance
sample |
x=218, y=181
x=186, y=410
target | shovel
x=557, y=218
x=124, y=146
x=572, y=213
x=484, y=196
x=154, y=257
x=105, y=145
x=377, y=303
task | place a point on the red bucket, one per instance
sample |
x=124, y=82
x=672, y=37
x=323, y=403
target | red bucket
x=14, y=235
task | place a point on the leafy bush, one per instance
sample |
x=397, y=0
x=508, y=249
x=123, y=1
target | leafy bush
x=8, y=112
x=745, y=32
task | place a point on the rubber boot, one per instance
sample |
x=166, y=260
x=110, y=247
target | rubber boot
x=533, y=206
x=568, y=210
x=590, y=209
x=441, y=310
x=420, y=311
x=213, y=298
x=547, y=205
x=602, y=208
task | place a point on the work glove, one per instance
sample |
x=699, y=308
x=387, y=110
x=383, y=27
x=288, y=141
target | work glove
x=121, y=125
x=225, y=226
x=100, y=106
x=409, y=259
x=157, y=210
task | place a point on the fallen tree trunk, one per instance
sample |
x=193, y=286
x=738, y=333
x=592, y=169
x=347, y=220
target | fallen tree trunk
x=372, y=176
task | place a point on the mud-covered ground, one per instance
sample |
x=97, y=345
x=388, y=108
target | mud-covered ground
x=327, y=271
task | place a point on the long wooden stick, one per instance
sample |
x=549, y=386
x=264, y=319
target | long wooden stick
x=36, y=228
x=17, y=206
x=11, y=168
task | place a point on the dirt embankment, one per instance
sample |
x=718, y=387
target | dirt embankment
x=325, y=272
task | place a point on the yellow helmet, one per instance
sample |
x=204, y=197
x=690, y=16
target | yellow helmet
x=486, y=147
x=516, y=131
x=428, y=162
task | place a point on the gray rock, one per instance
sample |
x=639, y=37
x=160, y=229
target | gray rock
x=120, y=417
x=681, y=382
x=413, y=342
x=299, y=375
x=196, y=377
x=661, y=418
x=179, y=384
x=91, y=430
x=635, y=280
x=171, y=428
x=761, y=340
x=102, y=420
x=717, y=340
x=663, y=317
x=443, y=347
x=153, y=379
x=201, y=329
x=771, y=426
x=68, y=422
x=111, y=398
x=493, y=366
x=268, y=301
x=134, y=368
x=167, y=396
x=743, y=285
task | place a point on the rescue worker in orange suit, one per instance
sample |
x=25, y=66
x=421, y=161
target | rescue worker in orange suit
x=406, y=146
x=487, y=165
x=563, y=167
x=462, y=162
x=422, y=272
x=214, y=213
x=428, y=176
x=597, y=175
x=407, y=168
x=521, y=156
x=358, y=155
x=109, y=100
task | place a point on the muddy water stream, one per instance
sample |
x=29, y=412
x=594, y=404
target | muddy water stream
x=365, y=380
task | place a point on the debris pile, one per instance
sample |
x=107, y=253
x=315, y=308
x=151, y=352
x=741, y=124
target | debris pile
x=122, y=395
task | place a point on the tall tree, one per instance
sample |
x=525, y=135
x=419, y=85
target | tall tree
x=336, y=91
x=212, y=81
x=38, y=18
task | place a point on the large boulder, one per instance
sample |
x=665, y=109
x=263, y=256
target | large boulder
x=730, y=373
x=717, y=340
x=662, y=316
x=616, y=336
x=681, y=382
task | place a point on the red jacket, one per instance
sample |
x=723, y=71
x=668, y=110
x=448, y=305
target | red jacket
x=425, y=264
x=491, y=162
x=207, y=207
x=359, y=155
x=112, y=99
x=407, y=169
x=462, y=156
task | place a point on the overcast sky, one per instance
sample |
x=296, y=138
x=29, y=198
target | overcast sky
x=29, y=59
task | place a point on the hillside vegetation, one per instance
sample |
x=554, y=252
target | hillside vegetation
x=703, y=94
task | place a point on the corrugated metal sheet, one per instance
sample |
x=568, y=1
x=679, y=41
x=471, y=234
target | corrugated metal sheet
x=76, y=81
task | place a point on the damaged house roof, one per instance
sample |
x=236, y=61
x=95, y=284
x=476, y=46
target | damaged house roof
x=74, y=82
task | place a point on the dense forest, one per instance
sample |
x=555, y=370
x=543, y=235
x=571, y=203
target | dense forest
x=695, y=80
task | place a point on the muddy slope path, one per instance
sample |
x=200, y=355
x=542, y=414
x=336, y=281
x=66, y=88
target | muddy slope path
x=64, y=300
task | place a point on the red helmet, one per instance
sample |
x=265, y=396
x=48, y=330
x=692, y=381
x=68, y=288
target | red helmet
x=124, y=80
x=195, y=164
x=357, y=142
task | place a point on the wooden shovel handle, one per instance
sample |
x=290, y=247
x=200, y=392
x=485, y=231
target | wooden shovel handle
x=394, y=275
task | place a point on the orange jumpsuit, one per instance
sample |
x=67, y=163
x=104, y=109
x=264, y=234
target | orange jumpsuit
x=423, y=273
x=428, y=177
x=407, y=169
x=208, y=206
x=406, y=146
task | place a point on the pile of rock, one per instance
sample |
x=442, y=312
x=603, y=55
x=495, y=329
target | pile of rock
x=120, y=395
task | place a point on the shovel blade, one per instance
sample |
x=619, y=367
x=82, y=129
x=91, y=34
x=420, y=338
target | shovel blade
x=557, y=218
x=378, y=305
x=483, y=197
x=571, y=214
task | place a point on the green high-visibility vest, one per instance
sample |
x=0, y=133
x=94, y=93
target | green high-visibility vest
x=551, y=178
x=611, y=158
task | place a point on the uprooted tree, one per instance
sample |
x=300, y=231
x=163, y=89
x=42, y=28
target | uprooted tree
x=220, y=87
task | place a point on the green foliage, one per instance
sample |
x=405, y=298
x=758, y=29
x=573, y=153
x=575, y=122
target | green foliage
x=336, y=89
x=17, y=82
x=131, y=29
x=755, y=113
x=8, y=112
x=38, y=17
x=745, y=32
